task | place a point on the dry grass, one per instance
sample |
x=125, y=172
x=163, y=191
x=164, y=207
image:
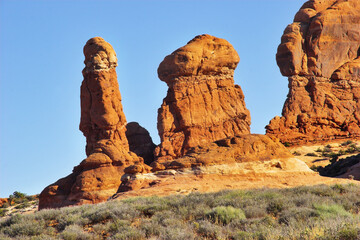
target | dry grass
x=319, y=212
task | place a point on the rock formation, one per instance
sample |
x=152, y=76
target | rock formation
x=246, y=158
x=320, y=53
x=202, y=103
x=103, y=123
x=140, y=142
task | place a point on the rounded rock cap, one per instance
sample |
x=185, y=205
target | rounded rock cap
x=203, y=55
x=99, y=55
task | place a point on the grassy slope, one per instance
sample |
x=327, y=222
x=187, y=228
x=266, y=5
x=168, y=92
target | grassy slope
x=319, y=212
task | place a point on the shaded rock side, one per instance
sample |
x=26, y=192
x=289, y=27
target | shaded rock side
x=202, y=104
x=140, y=142
x=320, y=54
x=103, y=123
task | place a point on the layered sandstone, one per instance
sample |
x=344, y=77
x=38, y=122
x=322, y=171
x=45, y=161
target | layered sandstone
x=202, y=104
x=103, y=123
x=320, y=55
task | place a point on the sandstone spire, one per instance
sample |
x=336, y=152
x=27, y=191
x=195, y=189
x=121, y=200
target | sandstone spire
x=103, y=123
x=202, y=104
x=320, y=53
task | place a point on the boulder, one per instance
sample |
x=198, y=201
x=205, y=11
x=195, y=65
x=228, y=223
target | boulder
x=202, y=104
x=320, y=55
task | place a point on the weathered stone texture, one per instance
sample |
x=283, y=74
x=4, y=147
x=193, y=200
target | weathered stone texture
x=103, y=123
x=202, y=104
x=320, y=53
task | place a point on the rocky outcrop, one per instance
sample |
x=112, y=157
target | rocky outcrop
x=241, y=148
x=320, y=53
x=239, y=157
x=202, y=104
x=103, y=123
x=140, y=142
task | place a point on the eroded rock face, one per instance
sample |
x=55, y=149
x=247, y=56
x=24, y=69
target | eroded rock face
x=103, y=123
x=241, y=155
x=320, y=53
x=202, y=104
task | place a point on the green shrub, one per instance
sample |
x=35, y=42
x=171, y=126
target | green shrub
x=330, y=211
x=225, y=215
x=348, y=233
x=3, y=212
x=311, y=155
x=287, y=144
x=348, y=142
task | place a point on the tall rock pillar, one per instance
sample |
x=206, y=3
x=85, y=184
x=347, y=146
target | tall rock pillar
x=103, y=123
x=202, y=104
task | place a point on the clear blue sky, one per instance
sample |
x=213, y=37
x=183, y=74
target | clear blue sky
x=41, y=61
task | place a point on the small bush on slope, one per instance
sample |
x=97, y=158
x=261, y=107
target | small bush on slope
x=319, y=212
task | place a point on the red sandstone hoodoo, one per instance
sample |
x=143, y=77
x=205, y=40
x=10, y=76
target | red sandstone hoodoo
x=202, y=104
x=103, y=123
x=320, y=53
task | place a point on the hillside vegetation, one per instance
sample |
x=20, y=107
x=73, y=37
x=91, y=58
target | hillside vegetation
x=319, y=212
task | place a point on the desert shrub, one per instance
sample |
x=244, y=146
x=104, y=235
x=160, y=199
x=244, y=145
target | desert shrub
x=47, y=214
x=177, y=231
x=311, y=155
x=5, y=205
x=352, y=148
x=295, y=153
x=23, y=205
x=330, y=211
x=327, y=149
x=297, y=215
x=348, y=233
x=318, y=150
x=207, y=229
x=348, y=142
x=150, y=227
x=286, y=144
x=24, y=228
x=321, y=190
x=341, y=152
x=65, y=220
x=3, y=212
x=275, y=207
x=75, y=232
x=254, y=212
x=224, y=215
x=129, y=233
x=339, y=188
x=314, y=168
